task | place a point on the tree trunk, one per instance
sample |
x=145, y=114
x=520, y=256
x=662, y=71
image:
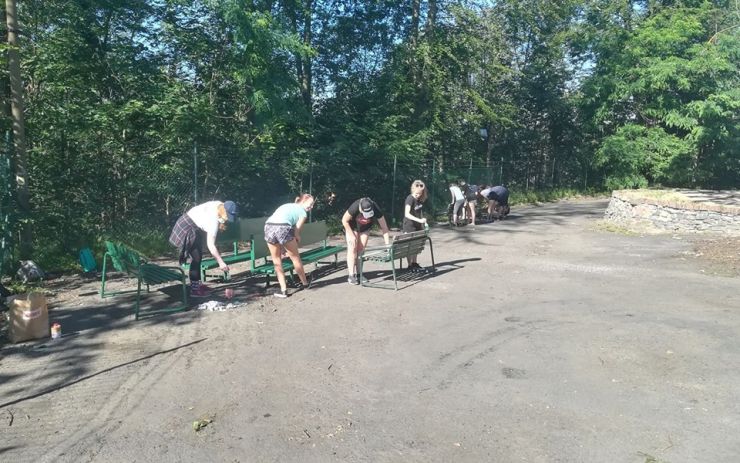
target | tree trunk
x=431, y=18
x=19, y=130
x=303, y=16
x=489, y=147
x=414, y=32
x=306, y=74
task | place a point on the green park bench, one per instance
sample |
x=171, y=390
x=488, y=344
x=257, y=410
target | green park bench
x=402, y=246
x=312, y=233
x=241, y=231
x=146, y=273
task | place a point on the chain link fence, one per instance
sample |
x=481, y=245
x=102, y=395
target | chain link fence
x=80, y=200
x=6, y=208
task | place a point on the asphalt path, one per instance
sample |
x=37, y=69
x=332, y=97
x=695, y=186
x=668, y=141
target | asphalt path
x=541, y=338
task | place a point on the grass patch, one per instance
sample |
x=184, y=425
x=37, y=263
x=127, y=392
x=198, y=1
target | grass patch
x=16, y=287
x=611, y=227
x=555, y=194
x=671, y=196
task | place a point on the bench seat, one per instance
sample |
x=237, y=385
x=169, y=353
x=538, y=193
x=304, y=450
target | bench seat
x=307, y=257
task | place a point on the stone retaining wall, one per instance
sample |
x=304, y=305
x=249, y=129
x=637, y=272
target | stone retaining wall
x=626, y=207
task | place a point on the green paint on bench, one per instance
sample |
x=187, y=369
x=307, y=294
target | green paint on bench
x=402, y=246
x=312, y=233
x=146, y=273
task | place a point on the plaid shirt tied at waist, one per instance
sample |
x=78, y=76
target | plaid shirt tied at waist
x=183, y=235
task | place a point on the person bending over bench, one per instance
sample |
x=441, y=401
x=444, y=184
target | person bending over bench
x=283, y=231
x=187, y=236
x=498, y=201
x=357, y=221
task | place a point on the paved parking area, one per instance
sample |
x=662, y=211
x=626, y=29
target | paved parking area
x=540, y=338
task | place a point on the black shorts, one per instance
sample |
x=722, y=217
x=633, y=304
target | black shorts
x=410, y=227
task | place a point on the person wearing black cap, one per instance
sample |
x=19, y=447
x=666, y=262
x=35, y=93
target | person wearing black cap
x=187, y=235
x=357, y=222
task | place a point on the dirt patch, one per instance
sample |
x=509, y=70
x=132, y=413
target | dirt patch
x=633, y=229
x=720, y=254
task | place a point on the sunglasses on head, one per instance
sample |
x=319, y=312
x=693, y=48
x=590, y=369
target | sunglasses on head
x=419, y=184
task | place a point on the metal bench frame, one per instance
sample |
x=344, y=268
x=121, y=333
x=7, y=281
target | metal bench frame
x=402, y=246
x=134, y=264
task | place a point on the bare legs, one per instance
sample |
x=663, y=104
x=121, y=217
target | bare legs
x=459, y=204
x=360, y=242
x=491, y=207
x=291, y=249
x=471, y=205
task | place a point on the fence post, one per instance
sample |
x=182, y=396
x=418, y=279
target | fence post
x=310, y=191
x=195, y=173
x=5, y=204
x=431, y=192
x=470, y=170
x=393, y=192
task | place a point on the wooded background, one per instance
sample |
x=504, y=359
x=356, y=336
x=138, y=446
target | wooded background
x=133, y=110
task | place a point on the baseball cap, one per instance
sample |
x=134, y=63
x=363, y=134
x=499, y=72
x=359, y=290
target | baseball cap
x=231, y=210
x=366, y=207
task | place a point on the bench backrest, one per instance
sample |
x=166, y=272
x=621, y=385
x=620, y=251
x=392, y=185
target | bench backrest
x=230, y=235
x=314, y=232
x=123, y=258
x=250, y=228
x=242, y=230
x=259, y=248
x=409, y=244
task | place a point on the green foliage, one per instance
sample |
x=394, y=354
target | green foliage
x=636, y=156
x=668, y=100
x=550, y=195
x=136, y=109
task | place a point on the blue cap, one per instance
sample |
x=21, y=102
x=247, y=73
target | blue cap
x=231, y=210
